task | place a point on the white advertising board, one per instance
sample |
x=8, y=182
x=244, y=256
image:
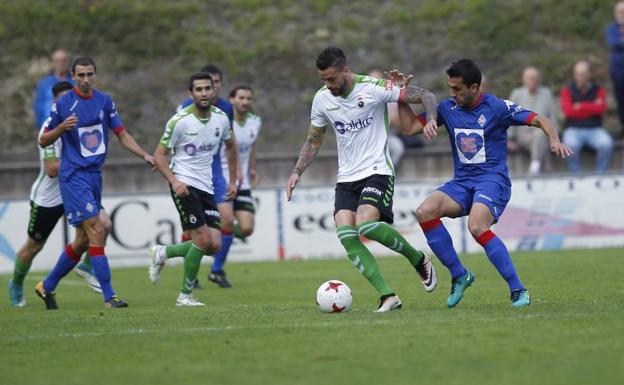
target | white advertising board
x=544, y=213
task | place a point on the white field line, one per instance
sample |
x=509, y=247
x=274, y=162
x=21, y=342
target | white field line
x=226, y=329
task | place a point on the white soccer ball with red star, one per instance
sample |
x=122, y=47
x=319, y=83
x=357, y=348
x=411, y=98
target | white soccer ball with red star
x=334, y=297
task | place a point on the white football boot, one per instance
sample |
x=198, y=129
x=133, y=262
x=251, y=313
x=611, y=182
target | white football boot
x=388, y=303
x=187, y=300
x=427, y=274
x=157, y=252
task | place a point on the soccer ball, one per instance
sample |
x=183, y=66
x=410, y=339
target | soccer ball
x=334, y=297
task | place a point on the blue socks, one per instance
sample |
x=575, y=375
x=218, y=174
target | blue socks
x=441, y=243
x=500, y=258
x=102, y=271
x=66, y=262
x=221, y=255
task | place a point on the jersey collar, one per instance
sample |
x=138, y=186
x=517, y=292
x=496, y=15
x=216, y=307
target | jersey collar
x=77, y=91
x=476, y=102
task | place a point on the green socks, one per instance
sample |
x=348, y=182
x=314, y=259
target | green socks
x=19, y=271
x=391, y=238
x=362, y=258
x=85, y=260
x=192, y=262
x=178, y=249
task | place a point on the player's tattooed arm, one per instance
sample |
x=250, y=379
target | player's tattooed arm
x=310, y=148
x=556, y=147
x=308, y=152
x=415, y=94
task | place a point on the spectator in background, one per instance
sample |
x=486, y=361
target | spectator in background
x=59, y=73
x=534, y=97
x=583, y=103
x=614, y=34
x=397, y=143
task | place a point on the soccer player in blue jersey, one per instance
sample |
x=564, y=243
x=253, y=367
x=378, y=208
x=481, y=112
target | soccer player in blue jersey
x=82, y=119
x=217, y=273
x=477, y=127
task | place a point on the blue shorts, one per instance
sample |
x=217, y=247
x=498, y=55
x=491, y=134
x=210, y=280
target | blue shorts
x=495, y=195
x=218, y=181
x=82, y=195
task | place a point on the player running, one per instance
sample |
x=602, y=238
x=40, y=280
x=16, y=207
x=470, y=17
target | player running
x=477, y=126
x=355, y=107
x=194, y=134
x=246, y=127
x=46, y=208
x=217, y=274
x=82, y=119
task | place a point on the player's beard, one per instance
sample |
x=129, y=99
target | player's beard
x=202, y=108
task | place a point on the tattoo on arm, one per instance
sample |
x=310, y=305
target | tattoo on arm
x=310, y=148
x=415, y=94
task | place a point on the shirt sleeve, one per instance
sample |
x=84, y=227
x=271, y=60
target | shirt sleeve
x=317, y=117
x=53, y=151
x=384, y=91
x=115, y=120
x=54, y=119
x=512, y=114
x=171, y=135
x=227, y=130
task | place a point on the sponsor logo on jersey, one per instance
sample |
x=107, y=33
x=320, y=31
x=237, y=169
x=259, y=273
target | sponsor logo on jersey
x=192, y=149
x=353, y=125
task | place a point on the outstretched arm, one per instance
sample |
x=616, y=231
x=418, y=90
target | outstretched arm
x=555, y=145
x=308, y=152
x=131, y=145
x=410, y=124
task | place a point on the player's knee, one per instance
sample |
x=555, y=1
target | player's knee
x=107, y=224
x=246, y=229
x=425, y=212
x=477, y=229
x=34, y=247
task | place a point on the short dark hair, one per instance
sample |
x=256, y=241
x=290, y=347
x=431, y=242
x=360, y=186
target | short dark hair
x=83, y=61
x=213, y=69
x=467, y=70
x=238, y=88
x=60, y=87
x=331, y=57
x=198, y=76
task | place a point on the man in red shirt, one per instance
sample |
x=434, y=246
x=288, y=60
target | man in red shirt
x=583, y=103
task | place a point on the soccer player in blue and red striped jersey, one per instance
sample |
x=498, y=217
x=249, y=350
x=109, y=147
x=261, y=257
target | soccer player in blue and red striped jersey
x=477, y=127
x=82, y=118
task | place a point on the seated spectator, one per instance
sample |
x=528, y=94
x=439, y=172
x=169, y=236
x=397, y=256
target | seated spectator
x=535, y=97
x=583, y=103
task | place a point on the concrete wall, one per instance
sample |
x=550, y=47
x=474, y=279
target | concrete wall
x=122, y=174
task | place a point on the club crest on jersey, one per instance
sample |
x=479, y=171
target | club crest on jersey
x=360, y=102
x=482, y=120
x=354, y=125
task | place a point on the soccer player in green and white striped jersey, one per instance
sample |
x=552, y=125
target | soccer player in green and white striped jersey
x=355, y=107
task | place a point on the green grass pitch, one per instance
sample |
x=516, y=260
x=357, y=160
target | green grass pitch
x=267, y=330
